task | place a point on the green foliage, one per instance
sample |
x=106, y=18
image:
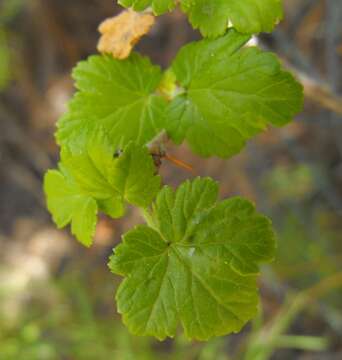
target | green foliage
x=213, y=17
x=220, y=80
x=158, y=6
x=92, y=179
x=195, y=263
x=117, y=96
x=246, y=16
x=244, y=86
x=67, y=203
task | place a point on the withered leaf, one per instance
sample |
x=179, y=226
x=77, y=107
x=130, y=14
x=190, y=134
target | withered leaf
x=122, y=32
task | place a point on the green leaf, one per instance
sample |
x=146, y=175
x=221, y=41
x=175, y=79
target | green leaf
x=116, y=95
x=230, y=94
x=67, y=204
x=93, y=179
x=195, y=264
x=91, y=166
x=213, y=17
x=134, y=176
x=247, y=16
x=131, y=176
x=158, y=6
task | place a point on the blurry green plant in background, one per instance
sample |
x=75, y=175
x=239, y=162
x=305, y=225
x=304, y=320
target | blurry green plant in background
x=8, y=10
x=66, y=320
x=290, y=182
x=309, y=245
x=4, y=60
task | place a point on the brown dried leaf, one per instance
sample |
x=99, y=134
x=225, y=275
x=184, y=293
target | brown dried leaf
x=122, y=32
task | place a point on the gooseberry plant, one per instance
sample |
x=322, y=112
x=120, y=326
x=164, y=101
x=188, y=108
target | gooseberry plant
x=196, y=260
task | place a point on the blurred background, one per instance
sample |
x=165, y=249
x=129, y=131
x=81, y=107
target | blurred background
x=57, y=298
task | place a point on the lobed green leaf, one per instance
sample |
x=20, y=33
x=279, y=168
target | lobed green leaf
x=231, y=93
x=213, y=17
x=117, y=96
x=92, y=179
x=68, y=204
x=195, y=264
